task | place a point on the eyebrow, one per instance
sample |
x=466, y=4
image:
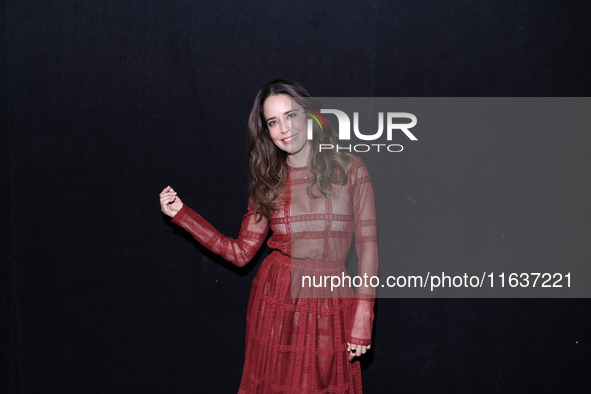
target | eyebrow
x=285, y=113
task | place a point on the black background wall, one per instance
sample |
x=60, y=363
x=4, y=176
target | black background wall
x=110, y=101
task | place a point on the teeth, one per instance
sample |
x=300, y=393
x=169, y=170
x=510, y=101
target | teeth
x=290, y=138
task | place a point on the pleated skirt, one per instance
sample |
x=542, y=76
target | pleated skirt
x=296, y=344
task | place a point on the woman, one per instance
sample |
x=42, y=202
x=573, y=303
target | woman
x=299, y=339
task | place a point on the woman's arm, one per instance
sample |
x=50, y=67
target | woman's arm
x=367, y=252
x=239, y=251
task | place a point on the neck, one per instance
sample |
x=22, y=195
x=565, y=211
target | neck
x=300, y=159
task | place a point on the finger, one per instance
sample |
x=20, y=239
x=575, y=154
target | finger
x=354, y=352
x=166, y=201
x=166, y=190
x=167, y=196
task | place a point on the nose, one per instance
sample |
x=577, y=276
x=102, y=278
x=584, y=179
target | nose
x=285, y=126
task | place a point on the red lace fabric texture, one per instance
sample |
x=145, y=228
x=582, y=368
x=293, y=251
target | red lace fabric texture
x=296, y=335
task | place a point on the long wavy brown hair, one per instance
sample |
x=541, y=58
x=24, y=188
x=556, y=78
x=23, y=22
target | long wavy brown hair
x=268, y=163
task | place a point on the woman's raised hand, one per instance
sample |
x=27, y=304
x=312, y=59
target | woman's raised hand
x=169, y=202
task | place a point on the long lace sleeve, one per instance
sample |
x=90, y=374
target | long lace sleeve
x=238, y=251
x=365, y=226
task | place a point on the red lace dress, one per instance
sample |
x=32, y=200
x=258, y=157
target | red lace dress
x=296, y=335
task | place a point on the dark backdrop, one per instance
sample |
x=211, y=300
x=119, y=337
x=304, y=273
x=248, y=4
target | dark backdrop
x=110, y=101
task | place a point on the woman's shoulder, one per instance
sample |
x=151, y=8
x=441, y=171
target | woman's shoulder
x=357, y=171
x=355, y=164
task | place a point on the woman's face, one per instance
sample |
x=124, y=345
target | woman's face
x=286, y=122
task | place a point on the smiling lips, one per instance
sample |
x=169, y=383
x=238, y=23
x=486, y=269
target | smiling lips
x=289, y=139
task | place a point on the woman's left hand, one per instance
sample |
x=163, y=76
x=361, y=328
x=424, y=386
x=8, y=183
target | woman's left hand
x=356, y=350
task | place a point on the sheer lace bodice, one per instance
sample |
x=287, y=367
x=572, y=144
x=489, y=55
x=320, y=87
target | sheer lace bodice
x=322, y=228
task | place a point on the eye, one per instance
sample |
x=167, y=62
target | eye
x=292, y=115
x=271, y=123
